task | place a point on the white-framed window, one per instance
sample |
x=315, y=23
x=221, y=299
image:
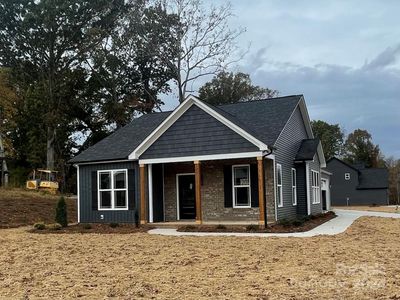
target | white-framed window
x=315, y=187
x=347, y=176
x=241, y=186
x=279, y=190
x=294, y=187
x=112, y=189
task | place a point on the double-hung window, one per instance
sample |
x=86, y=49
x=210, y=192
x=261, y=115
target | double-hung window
x=112, y=190
x=294, y=187
x=279, y=191
x=241, y=186
x=315, y=187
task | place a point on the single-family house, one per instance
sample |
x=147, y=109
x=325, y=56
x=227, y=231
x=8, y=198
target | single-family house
x=357, y=185
x=250, y=162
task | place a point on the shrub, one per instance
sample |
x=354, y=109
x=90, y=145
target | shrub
x=39, y=226
x=306, y=218
x=284, y=222
x=87, y=226
x=297, y=222
x=61, y=212
x=55, y=226
x=220, y=227
x=114, y=225
x=252, y=227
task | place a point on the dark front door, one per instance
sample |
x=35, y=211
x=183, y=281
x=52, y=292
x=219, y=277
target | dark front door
x=187, y=200
x=324, y=200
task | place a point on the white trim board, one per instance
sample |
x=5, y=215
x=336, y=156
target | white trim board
x=178, y=112
x=200, y=157
x=78, y=194
x=150, y=185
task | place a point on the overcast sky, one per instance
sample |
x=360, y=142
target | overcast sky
x=344, y=56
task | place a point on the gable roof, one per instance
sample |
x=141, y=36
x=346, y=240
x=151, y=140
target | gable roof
x=307, y=149
x=343, y=163
x=260, y=121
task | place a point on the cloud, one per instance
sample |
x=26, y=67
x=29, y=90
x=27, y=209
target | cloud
x=365, y=97
x=387, y=58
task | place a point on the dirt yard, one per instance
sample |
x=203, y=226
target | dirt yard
x=362, y=263
x=19, y=207
x=388, y=209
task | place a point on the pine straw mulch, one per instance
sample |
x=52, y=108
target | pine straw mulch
x=361, y=263
x=298, y=225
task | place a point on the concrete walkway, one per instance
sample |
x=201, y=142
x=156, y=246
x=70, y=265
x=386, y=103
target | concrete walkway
x=335, y=226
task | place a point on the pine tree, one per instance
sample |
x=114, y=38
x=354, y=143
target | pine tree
x=61, y=212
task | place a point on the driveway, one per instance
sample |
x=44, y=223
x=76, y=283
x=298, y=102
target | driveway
x=335, y=226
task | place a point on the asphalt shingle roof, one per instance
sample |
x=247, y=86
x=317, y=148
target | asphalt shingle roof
x=307, y=149
x=373, y=178
x=264, y=119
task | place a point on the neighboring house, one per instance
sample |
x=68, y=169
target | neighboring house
x=357, y=185
x=250, y=162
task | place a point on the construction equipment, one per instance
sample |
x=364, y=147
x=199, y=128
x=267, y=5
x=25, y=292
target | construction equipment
x=42, y=179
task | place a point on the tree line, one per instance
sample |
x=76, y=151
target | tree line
x=73, y=71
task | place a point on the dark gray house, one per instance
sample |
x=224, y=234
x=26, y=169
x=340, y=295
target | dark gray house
x=250, y=162
x=357, y=185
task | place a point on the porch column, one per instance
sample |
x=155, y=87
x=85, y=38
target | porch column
x=197, y=176
x=143, y=219
x=261, y=190
x=150, y=185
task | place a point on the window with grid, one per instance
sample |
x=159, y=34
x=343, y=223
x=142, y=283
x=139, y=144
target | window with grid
x=315, y=186
x=241, y=186
x=294, y=187
x=112, y=189
x=279, y=190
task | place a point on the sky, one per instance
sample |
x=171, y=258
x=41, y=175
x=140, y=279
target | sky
x=343, y=56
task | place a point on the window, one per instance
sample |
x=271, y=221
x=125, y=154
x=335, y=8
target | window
x=279, y=191
x=347, y=176
x=315, y=187
x=113, y=192
x=294, y=187
x=241, y=186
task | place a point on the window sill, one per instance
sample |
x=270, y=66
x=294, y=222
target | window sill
x=112, y=209
x=241, y=207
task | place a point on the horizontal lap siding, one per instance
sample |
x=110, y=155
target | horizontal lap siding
x=197, y=133
x=87, y=214
x=301, y=189
x=287, y=146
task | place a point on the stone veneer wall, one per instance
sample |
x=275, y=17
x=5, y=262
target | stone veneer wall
x=212, y=192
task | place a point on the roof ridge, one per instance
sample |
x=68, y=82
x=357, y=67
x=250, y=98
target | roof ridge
x=259, y=100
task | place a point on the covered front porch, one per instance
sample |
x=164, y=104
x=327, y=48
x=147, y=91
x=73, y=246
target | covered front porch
x=210, y=190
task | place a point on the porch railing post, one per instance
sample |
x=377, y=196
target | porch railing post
x=261, y=190
x=197, y=170
x=143, y=218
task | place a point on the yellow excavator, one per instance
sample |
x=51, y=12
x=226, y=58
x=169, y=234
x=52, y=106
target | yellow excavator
x=42, y=179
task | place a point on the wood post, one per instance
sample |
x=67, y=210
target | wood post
x=143, y=218
x=197, y=175
x=261, y=190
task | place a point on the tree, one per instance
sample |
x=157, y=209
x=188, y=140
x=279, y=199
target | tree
x=61, y=212
x=206, y=42
x=360, y=148
x=231, y=88
x=331, y=136
x=42, y=42
x=393, y=166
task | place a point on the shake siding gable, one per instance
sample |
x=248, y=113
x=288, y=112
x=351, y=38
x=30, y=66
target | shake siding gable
x=197, y=133
x=287, y=146
x=90, y=215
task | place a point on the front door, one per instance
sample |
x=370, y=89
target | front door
x=186, y=197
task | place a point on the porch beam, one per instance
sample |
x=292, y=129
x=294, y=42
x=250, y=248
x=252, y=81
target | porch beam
x=143, y=219
x=197, y=176
x=261, y=190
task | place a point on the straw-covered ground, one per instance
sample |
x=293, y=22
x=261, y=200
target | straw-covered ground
x=388, y=209
x=362, y=263
x=19, y=207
